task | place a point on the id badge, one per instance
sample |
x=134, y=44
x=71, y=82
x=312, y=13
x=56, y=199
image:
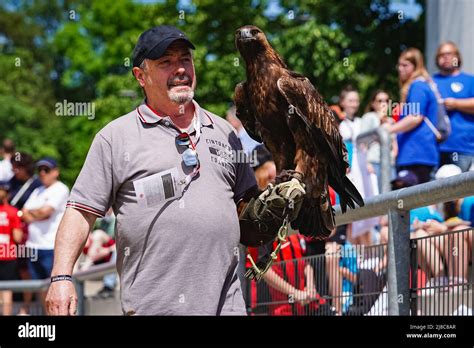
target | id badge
x=157, y=188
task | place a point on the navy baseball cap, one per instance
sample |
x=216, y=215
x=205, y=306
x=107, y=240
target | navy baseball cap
x=263, y=156
x=47, y=162
x=405, y=178
x=153, y=43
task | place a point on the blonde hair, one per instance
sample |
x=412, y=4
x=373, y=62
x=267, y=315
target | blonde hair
x=414, y=56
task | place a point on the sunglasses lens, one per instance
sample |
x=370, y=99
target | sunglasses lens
x=183, y=139
x=44, y=169
x=190, y=158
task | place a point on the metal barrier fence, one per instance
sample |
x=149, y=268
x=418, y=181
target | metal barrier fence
x=398, y=205
x=353, y=280
x=443, y=283
x=381, y=136
x=36, y=286
x=346, y=280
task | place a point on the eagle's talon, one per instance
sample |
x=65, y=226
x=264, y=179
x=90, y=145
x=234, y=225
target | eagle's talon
x=295, y=185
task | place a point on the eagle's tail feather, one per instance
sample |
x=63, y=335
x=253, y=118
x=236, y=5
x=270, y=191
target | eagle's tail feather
x=349, y=196
x=312, y=221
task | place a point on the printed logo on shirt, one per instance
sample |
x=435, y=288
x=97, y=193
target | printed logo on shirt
x=4, y=219
x=457, y=87
x=221, y=153
x=224, y=155
x=220, y=157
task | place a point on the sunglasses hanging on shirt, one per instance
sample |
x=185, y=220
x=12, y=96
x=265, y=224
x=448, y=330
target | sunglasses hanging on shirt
x=190, y=156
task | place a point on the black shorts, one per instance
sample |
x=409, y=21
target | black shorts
x=422, y=172
x=9, y=270
x=22, y=263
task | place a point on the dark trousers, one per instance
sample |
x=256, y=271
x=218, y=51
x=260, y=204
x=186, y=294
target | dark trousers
x=422, y=172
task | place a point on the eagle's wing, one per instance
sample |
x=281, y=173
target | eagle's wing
x=320, y=126
x=244, y=111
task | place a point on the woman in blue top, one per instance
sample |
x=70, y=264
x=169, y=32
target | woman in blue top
x=417, y=144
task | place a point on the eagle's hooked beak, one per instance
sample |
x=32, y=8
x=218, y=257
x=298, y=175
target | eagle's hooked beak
x=245, y=34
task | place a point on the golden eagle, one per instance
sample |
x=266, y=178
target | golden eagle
x=282, y=108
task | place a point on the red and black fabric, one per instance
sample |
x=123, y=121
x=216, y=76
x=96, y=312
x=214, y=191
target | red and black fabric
x=292, y=271
x=9, y=221
x=105, y=259
x=258, y=292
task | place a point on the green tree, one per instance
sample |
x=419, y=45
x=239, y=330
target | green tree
x=79, y=51
x=318, y=52
x=27, y=92
x=376, y=35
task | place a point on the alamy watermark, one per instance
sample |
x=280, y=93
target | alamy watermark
x=403, y=108
x=66, y=108
x=236, y=156
x=14, y=251
x=28, y=330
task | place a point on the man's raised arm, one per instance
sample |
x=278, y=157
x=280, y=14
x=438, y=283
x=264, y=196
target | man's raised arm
x=70, y=239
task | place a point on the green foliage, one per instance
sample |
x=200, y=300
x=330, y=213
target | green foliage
x=317, y=51
x=376, y=36
x=25, y=100
x=80, y=50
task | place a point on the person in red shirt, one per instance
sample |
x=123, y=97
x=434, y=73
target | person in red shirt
x=98, y=249
x=10, y=234
x=289, y=283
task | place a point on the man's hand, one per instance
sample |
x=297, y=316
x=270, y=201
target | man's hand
x=61, y=298
x=262, y=216
x=417, y=224
x=312, y=292
x=26, y=216
x=370, y=168
x=70, y=239
x=302, y=296
x=434, y=227
x=450, y=103
x=276, y=198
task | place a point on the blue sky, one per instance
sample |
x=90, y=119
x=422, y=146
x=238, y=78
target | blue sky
x=409, y=7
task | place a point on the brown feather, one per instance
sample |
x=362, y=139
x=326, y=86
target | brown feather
x=284, y=109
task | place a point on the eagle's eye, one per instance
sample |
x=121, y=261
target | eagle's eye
x=255, y=31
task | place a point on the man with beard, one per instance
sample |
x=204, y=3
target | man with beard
x=457, y=90
x=167, y=170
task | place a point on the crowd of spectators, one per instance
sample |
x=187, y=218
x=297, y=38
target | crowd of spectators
x=32, y=203
x=422, y=150
x=33, y=199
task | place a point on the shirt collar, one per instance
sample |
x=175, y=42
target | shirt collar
x=204, y=116
x=149, y=116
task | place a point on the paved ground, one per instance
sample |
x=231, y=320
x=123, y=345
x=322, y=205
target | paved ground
x=109, y=306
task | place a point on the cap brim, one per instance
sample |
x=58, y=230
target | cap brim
x=45, y=164
x=160, y=49
x=395, y=180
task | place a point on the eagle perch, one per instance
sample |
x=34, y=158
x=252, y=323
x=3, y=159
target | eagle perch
x=284, y=110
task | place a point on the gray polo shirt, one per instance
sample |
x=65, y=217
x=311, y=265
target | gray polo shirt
x=179, y=257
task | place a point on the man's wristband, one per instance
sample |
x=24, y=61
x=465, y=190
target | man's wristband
x=61, y=277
